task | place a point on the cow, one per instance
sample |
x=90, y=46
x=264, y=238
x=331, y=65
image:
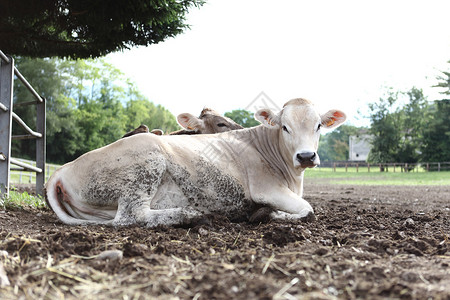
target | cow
x=147, y=180
x=142, y=129
x=209, y=121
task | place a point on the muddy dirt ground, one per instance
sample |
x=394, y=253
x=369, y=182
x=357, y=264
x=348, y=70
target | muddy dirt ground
x=369, y=242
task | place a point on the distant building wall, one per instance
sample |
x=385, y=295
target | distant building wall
x=359, y=147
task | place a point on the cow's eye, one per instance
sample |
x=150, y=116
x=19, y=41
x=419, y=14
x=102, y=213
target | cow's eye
x=285, y=129
x=221, y=125
x=319, y=126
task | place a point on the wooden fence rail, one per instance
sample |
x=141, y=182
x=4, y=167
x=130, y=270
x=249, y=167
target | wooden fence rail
x=388, y=167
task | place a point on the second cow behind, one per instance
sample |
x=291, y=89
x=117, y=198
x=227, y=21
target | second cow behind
x=209, y=121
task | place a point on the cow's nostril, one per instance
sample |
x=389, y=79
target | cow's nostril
x=306, y=156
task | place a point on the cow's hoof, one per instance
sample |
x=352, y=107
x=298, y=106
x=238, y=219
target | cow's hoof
x=262, y=215
x=309, y=218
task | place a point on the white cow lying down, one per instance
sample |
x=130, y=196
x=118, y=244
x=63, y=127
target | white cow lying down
x=154, y=180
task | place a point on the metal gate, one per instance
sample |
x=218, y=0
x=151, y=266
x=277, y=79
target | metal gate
x=7, y=115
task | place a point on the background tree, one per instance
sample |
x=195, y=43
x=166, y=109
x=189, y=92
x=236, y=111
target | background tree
x=89, y=104
x=87, y=28
x=142, y=111
x=435, y=145
x=46, y=78
x=385, y=124
x=333, y=146
x=413, y=122
x=398, y=129
x=444, y=82
x=243, y=117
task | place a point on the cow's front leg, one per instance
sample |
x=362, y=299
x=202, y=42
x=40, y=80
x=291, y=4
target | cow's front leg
x=286, y=205
x=284, y=200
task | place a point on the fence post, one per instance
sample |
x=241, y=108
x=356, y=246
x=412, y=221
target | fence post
x=357, y=167
x=368, y=168
x=439, y=166
x=6, y=92
x=40, y=146
x=334, y=167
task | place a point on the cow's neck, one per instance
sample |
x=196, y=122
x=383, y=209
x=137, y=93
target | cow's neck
x=266, y=142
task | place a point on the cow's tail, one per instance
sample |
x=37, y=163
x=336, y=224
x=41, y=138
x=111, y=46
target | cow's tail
x=61, y=201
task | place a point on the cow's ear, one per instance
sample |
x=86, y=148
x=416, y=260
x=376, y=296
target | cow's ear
x=333, y=118
x=189, y=121
x=157, y=131
x=268, y=118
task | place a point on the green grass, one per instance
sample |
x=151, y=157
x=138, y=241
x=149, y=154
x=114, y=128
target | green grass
x=30, y=177
x=377, y=178
x=17, y=200
x=15, y=178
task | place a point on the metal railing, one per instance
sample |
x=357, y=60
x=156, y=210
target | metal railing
x=7, y=115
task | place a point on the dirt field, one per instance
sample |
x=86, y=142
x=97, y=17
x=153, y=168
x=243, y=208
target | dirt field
x=368, y=243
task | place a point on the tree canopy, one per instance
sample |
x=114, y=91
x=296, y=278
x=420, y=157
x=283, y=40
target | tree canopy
x=87, y=28
x=436, y=135
x=416, y=131
x=444, y=82
x=89, y=104
x=243, y=117
x=334, y=146
x=435, y=144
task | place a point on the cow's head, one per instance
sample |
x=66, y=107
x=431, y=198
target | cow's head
x=141, y=129
x=299, y=125
x=209, y=121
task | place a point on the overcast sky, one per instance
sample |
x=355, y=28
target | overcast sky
x=339, y=54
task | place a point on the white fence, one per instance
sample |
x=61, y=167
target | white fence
x=19, y=176
x=387, y=167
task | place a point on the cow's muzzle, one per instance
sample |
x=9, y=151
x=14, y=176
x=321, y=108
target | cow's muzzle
x=308, y=159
